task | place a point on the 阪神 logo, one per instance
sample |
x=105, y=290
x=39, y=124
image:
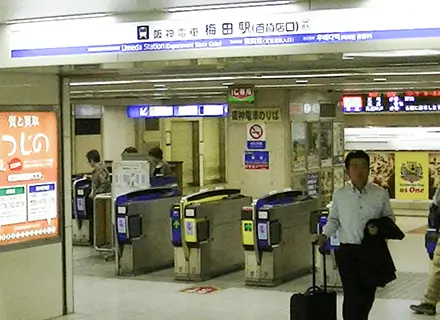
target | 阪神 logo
x=411, y=171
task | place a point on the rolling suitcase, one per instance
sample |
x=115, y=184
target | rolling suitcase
x=316, y=303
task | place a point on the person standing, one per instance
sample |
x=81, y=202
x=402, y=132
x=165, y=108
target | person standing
x=160, y=167
x=100, y=177
x=355, y=207
x=429, y=302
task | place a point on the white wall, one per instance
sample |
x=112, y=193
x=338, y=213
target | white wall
x=118, y=132
x=31, y=280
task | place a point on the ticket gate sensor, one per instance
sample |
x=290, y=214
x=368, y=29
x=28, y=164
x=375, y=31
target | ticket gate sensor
x=143, y=230
x=331, y=255
x=164, y=181
x=276, y=237
x=82, y=212
x=206, y=234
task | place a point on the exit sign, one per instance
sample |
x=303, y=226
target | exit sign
x=239, y=94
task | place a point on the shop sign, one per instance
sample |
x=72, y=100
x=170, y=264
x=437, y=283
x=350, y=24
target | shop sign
x=29, y=176
x=256, y=114
x=239, y=94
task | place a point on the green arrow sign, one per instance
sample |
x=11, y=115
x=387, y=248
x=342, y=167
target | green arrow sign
x=248, y=227
x=176, y=224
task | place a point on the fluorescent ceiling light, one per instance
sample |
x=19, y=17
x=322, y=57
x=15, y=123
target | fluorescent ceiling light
x=59, y=18
x=229, y=6
x=392, y=54
x=302, y=81
x=379, y=79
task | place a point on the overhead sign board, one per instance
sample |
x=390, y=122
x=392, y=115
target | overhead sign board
x=182, y=111
x=87, y=37
x=255, y=114
x=28, y=176
x=239, y=94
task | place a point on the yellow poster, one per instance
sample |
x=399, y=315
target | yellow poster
x=412, y=175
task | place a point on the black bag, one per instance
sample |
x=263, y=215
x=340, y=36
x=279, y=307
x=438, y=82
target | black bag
x=316, y=303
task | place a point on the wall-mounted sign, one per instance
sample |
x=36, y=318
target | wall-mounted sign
x=256, y=136
x=239, y=94
x=28, y=176
x=227, y=30
x=183, y=111
x=256, y=160
x=256, y=114
x=412, y=175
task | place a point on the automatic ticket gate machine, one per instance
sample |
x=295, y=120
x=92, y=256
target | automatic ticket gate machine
x=206, y=234
x=82, y=209
x=331, y=254
x=143, y=230
x=276, y=237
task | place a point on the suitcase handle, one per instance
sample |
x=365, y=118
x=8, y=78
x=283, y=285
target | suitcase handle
x=314, y=286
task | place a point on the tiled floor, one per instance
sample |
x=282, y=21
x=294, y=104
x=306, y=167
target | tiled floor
x=100, y=295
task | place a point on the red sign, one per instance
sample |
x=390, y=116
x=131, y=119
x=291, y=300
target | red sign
x=200, y=290
x=28, y=176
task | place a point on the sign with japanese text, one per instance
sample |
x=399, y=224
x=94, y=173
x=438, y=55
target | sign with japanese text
x=412, y=175
x=255, y=114
x=239, y=94
x=256, y=160
x=28, y=176
x=256, y=136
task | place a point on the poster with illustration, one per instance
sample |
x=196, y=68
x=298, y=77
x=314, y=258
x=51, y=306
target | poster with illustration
x=299, y=146
x=339, y=177
x=412, y=175
x=434, y=173
x=313, y=140
x=326, y=143
x=338, y=142
x=382, y=171
x=326, y=181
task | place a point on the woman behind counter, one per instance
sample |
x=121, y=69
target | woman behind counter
x=101, y=182
x=160, y=167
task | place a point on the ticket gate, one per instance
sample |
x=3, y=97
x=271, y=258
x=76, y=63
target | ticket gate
x=276, y=237
x=331, y=254
x=82, y=212
x=143, y=230
x=206, y=234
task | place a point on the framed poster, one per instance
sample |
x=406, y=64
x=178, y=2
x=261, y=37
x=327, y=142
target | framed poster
x=412, y=175
x=313, y=145
x=29, y=179
x=299, y=181
x=338, y=142
x=299, y=145
x=382, y=170
x=326, y=180
x=326, y=143
x=338, y=177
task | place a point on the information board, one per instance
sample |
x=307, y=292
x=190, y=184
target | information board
x=28, y=176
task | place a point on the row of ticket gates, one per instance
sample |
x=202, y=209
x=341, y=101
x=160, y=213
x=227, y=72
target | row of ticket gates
x=209, y=233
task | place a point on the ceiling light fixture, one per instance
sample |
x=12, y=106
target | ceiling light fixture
x=392, y=54
x=302, y=81
x=380, y=79
x=228, y=6
x=59, y=18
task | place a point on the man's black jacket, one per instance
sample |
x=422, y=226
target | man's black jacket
x=378, y=266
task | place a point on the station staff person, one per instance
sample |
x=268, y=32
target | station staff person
x=354, y=205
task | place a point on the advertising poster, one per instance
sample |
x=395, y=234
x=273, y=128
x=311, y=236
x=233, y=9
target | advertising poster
x=299, y=146
x=326, y=143
x=412, y=176
x=129, y=176
x=313, y=145
x=338, y=177
x=338, y=142
x=382, y=170
x=434, y=173
x=28, y=176
x=326, y=180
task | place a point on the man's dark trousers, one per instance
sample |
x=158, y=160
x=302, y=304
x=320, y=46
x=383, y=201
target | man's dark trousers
x=358, y=296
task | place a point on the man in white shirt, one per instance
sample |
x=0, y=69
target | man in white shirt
x=353, y=206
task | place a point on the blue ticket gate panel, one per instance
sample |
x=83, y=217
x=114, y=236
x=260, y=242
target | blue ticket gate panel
x=143, y=232
x=82, y=212
x=209, y=230
x=280, y=248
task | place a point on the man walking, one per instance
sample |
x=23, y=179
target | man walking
x=354, y=206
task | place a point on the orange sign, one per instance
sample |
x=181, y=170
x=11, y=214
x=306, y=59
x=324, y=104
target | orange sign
x=28, y=176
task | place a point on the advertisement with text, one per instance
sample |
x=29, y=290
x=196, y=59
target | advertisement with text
x=28, y=176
